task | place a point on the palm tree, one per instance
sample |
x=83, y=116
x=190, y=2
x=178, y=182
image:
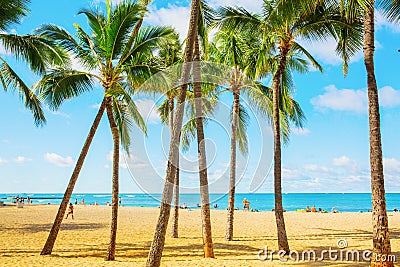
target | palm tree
x=38, y=52
x=157, y=245
x=204, y=192
x=241, y=51
x=170, y=55
x=312, y=20
x=117, y=59
x=364, y=11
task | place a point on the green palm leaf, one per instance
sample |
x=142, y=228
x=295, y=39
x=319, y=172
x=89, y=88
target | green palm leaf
x=10, y=79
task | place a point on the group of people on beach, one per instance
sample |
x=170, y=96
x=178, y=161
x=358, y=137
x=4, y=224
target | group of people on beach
x=314, y=209
x=96, y=203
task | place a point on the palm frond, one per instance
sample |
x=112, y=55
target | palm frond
x=37, y=51
x=123, y=20
x=12, y=12
x=10, y=80
x=62, y=84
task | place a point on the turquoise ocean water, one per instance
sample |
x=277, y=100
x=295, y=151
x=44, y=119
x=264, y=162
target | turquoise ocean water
x=345, y=202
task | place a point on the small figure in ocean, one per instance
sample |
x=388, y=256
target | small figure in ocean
x=215, y=206
x=76, y=201
x=120, y=201
x=70, y=211
x=313, y=209
x=83, y=202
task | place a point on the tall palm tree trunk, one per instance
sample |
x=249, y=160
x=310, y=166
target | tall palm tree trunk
x=115, y=182
x=48, y=247
x=381, y=239
x=205, y=199
x=157, y=245
x=280, y=221
x=175, y=214
x=232, y=180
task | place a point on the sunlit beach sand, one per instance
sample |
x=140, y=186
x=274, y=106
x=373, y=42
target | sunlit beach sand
x=83, y=241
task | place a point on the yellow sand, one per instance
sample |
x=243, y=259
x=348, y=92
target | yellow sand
x=83, y=241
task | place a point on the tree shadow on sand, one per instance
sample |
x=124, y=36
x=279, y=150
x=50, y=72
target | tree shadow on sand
x=36, y=228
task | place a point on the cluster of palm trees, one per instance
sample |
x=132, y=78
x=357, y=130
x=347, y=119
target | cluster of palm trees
x=120, y=54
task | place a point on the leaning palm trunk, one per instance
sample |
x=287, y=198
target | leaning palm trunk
x=232, y=180
x=157, y=245
x=48, y=247
x=381, y=239
x=280, y=221
x=205, y=199
x=175, y=214
x=115, y=182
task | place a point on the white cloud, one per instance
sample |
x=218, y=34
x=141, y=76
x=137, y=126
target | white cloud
x=58, y=160
x=148, y=110
x=126, y=163
x=2, y=161
x=315, y=168
x=252, y=6
x=345, y=162
x=173, y=16
x=95, y=106
x=62, y=114
x=343, y=175
x=22, y=160
x=389, y=97
x=342, y=100
x=354, y=100
x=301, y=131
x=391, y=165
x=177, y=16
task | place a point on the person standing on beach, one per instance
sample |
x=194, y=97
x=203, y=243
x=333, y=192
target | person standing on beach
x=120, y=201
x=70, y=211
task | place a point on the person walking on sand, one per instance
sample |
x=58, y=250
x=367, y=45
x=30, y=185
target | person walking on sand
x=70, y=211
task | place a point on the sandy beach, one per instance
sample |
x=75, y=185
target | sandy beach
x=83, y=241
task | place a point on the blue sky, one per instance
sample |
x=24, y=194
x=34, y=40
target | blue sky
x=331, y=154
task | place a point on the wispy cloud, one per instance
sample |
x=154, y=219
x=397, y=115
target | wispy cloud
x=381, y=22
x=126, y=163
x=346, y=162
x=58, y=160
x=95, y=106
x=301, y=131
x=148, y=110
x=2, y=161
x=22, y=160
